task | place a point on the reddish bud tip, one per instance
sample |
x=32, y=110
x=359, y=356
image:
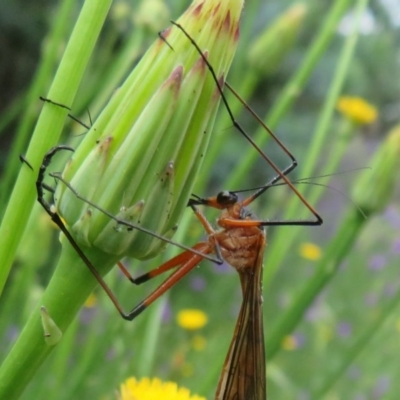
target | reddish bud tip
x=198, y=9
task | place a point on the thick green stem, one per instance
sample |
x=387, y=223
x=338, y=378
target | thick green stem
x=49, y=127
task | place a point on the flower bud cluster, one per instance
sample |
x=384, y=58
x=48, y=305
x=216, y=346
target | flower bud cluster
x=141, y=156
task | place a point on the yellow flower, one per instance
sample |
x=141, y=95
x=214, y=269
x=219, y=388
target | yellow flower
x=289, y=342
x=191, y=319
x=154, y=389
x=310, y=251
x=357, y=109
x=199, y=343
x=91, y=301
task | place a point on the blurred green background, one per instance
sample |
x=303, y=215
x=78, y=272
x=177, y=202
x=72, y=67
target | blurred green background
x=346, y=343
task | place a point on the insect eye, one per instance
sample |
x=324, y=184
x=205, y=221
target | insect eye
x=226, y=198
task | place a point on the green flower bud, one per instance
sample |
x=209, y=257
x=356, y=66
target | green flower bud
x=152, y=14
x=275, y=42
x=376, y=185
x=140, y=158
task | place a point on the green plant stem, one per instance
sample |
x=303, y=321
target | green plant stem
x=59, y=366
x=151, y=338
x=338, y=248
x=69, y=287
x=49, y=126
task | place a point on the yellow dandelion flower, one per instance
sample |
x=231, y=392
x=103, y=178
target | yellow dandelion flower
x=357, y=109
x=289, y=343
x=91, y=301
x=154, y=389
x=199, y=343
x=310, y=251
x=191, y=319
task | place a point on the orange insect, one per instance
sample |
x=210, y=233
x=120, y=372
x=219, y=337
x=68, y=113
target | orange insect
x=241, y=242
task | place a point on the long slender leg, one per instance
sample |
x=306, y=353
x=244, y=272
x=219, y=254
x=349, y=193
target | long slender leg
x=236, y=123
x=168, y=265
x=40, y=185
x=188, y=260
x=191, y=261
x=280, y=175
x=25, y=161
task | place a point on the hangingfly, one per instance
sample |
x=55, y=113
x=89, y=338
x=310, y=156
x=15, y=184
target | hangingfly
x=242, y=242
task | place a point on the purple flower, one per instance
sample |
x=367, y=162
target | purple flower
x=393, y=216
x=344, y=329
x=360, y=396
x=371, y=299
x=87, y=314
x=354, y=372
x=12, y=333
x=315, y=311
x=377, y=262
x=223, y=268
x=197, y=283
x=300, y=339
x=166, y=312
x=381, y=387
x=390, y=289
x=111, y=354
x=396, y=246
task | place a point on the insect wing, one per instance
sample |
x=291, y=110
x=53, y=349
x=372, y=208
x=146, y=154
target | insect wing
x=244, y=373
